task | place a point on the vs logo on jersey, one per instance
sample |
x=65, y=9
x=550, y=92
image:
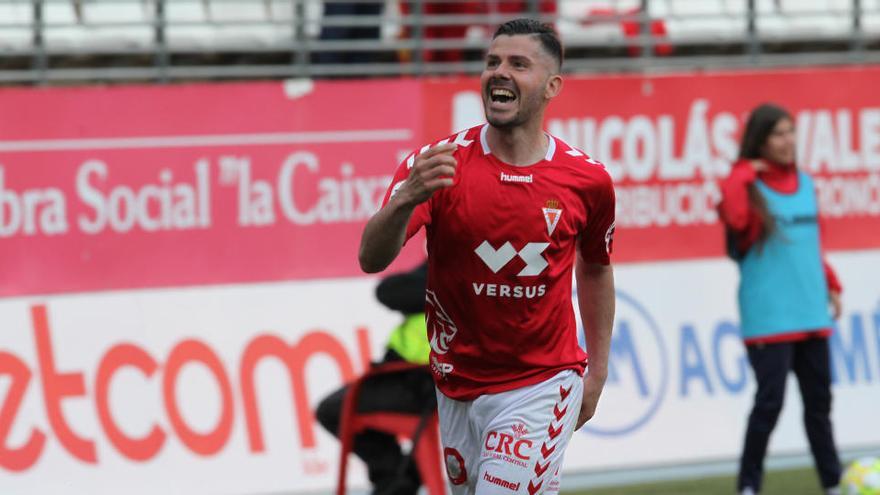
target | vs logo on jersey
x=552, y=214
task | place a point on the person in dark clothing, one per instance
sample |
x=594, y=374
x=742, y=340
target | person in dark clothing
x=363, y=31
x=788, y=295
x=389, y=470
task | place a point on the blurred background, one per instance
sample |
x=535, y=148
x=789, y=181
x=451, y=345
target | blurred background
x=183, y=185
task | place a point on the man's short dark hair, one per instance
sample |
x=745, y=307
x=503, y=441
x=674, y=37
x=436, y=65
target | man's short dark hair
x=544, y=32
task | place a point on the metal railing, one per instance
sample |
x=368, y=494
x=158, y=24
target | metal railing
x=57, y=41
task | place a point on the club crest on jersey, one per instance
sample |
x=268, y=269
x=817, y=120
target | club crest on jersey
x=552, y=214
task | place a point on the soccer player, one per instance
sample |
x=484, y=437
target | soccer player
x=507, y=209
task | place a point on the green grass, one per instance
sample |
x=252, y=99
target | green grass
x=788, y=482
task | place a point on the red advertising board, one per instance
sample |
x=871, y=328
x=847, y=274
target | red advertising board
x=168, y=186
x=105, y=188
x=668, y=139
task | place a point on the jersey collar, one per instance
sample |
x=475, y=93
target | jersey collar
x=551, y=148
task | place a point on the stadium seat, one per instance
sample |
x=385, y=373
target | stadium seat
x=97, y=26
x=239, y=23
x=122, y=24
x=593, y=21
x=282, y=16
x=218, y=25
x=871, y=17
x=16, y=31
x=699, y=21
x=817, y=18
x=62, y=28
x=422, y=430
x=796, y=20
x=695, y=8
x=186, y=25
x=279, y=10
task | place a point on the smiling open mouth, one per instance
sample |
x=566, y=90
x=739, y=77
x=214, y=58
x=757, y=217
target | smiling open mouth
x=501, y=95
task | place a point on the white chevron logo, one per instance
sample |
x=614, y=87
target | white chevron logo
x=496, y=259
x=438, y=321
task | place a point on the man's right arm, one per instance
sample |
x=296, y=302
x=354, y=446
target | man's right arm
x=385, y=233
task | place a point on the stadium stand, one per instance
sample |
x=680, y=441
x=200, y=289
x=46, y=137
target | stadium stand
x=15, y=21
x=47, y=40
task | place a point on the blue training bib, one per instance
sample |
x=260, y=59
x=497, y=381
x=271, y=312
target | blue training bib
x=782, y=282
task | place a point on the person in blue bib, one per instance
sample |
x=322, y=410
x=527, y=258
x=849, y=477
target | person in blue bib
x=788, y=294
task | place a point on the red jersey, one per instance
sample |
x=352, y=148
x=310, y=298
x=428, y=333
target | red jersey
x=501, y=248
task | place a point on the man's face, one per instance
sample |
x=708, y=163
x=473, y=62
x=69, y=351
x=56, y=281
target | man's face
x=518, y=80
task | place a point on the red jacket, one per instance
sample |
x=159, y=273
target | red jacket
x=745, y=222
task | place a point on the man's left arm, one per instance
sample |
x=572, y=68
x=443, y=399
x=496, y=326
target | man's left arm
x=595, y=291
x=595, y=287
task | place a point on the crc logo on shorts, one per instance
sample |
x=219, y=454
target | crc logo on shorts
x=638, y=370
x=496, y=259
x=511, y=447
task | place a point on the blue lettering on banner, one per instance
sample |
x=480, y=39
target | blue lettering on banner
x=639, y=372
x=693, y=366
x=638, y=367
x=730, y=331
x=853, y=357
x=622, y=347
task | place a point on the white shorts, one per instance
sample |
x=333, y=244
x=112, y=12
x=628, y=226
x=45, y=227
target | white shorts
x=511, y=442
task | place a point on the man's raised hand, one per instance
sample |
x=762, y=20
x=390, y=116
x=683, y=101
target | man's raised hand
x=432, y=170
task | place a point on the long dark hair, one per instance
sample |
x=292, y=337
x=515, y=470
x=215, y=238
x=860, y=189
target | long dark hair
x=759, y=126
